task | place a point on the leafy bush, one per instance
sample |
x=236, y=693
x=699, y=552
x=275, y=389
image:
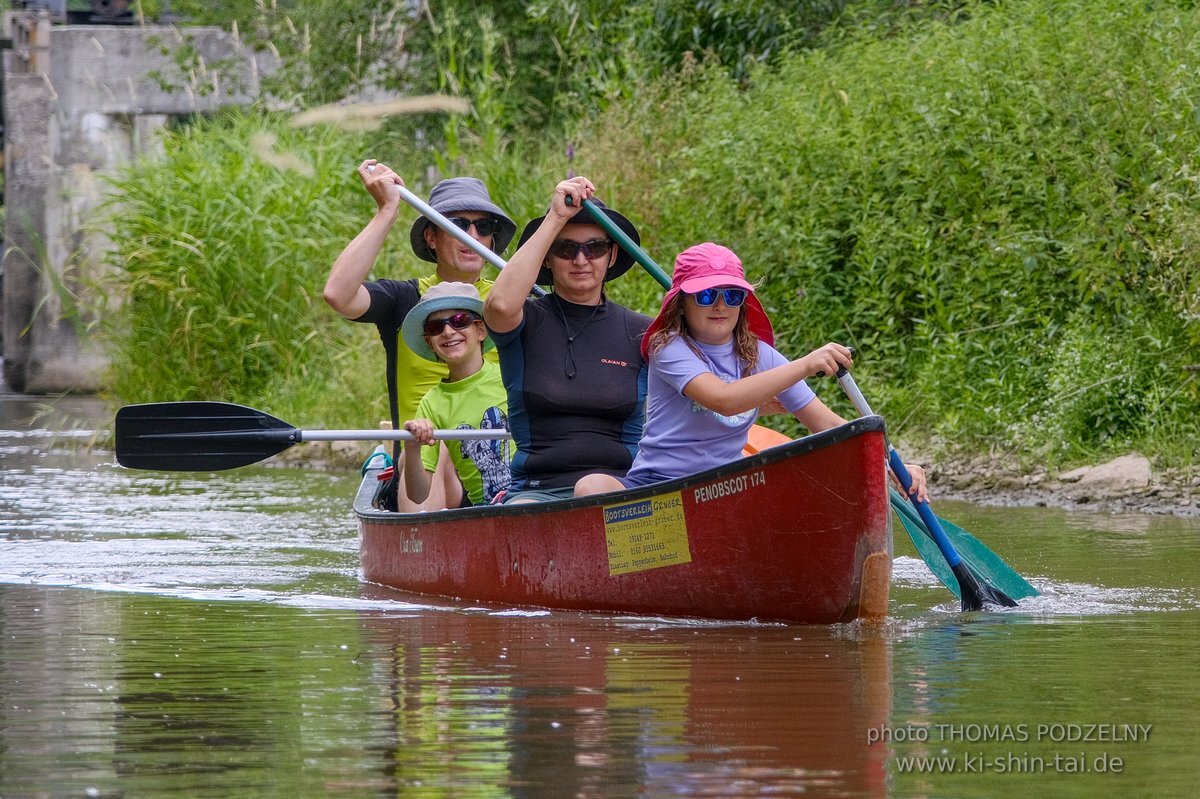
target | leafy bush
x=951, y=197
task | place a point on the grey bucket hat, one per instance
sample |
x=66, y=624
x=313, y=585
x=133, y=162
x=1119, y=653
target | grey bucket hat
x=583, y=217
x=461, y=194
x=440, y=297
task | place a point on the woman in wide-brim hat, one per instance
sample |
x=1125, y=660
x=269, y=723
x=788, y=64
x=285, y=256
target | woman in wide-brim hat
x=618, y=260
x=571, y=360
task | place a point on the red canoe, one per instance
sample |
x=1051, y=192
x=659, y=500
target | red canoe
x=796, y=533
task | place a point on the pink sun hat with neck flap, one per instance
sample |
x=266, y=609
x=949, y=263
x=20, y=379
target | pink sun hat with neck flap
x=710, y=266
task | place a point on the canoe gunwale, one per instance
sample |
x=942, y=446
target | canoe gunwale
x=801, y=446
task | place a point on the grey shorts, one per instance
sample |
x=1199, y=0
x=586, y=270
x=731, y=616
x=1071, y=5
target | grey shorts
x=540, y=494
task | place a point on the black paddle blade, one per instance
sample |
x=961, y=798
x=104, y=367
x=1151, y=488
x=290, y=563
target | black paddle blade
x=977, y=595
x=198, y=436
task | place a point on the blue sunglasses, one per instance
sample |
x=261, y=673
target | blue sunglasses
x=708, y=297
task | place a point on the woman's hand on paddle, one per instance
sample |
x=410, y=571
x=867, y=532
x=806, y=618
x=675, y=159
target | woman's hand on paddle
x=825, y=361
x=504, y=308
x=920, y=487
x=422, y=431
x=578, y=189
x=379, y=180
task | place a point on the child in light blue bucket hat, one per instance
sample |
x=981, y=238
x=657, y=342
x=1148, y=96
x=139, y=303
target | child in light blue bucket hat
x=447, y=325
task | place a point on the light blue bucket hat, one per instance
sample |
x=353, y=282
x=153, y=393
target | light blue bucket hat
x=440, y=297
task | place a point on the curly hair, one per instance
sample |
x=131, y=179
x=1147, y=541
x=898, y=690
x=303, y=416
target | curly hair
x=745, y=343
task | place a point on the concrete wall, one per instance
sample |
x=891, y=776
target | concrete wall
x=80, y=101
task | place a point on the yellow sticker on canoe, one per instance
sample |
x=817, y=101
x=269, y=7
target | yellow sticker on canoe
x=646, y=534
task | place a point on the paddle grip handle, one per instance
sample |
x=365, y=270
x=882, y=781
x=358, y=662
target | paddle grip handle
x=841, y=369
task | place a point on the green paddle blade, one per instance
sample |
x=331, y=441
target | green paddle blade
x=988, y=567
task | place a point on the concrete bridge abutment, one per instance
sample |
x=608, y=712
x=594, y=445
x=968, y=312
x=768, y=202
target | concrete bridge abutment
x=80, y=102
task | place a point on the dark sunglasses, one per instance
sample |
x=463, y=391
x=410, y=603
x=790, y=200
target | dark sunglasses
x=488, y=226
x=567, y=249
x=733, y=297
x=459, y=321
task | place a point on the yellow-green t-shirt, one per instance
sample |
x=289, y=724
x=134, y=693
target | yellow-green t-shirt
x=415, y=375
x=476, y=402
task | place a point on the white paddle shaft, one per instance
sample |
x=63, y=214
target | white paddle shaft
x=397, y=435
x=445, y=224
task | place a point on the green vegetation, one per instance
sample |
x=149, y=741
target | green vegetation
x=998, y=209
x=996, y=203
x=220, y=253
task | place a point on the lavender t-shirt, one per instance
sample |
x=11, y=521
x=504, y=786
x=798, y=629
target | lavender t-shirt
x=682, y=437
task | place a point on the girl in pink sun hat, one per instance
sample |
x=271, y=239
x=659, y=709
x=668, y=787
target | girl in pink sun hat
x=712, y=367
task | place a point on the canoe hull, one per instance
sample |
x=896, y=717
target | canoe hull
x=796, y=533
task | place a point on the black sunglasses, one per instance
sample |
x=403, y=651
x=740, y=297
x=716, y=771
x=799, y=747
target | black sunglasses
x=567, y=249
x=459, y=321
x=733, y=297
x=488, y=226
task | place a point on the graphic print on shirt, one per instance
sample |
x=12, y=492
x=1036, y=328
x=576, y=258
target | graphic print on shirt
x=736, y=420
x=490, y=456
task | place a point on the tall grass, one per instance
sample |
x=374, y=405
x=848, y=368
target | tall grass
x=223, y=245
x=221, y=251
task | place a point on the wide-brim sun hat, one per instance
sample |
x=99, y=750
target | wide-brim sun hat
x=440, y=297
x=460, y=194
x=710, y=266
x=584, y=217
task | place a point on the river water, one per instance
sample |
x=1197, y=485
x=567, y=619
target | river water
x=208, y=635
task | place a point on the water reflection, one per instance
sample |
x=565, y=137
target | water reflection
x=217, y=641
x=1083, y=563
x=145, y=695
x=70, y=516
x=566, y=708
x=1009, y=705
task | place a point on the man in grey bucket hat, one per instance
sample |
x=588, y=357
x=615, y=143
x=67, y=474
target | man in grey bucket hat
x=385, y=302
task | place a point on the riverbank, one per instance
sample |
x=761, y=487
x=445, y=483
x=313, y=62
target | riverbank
x=1130, y=483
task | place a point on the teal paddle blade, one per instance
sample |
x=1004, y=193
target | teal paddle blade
x=926, y=547
x=987, y=566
